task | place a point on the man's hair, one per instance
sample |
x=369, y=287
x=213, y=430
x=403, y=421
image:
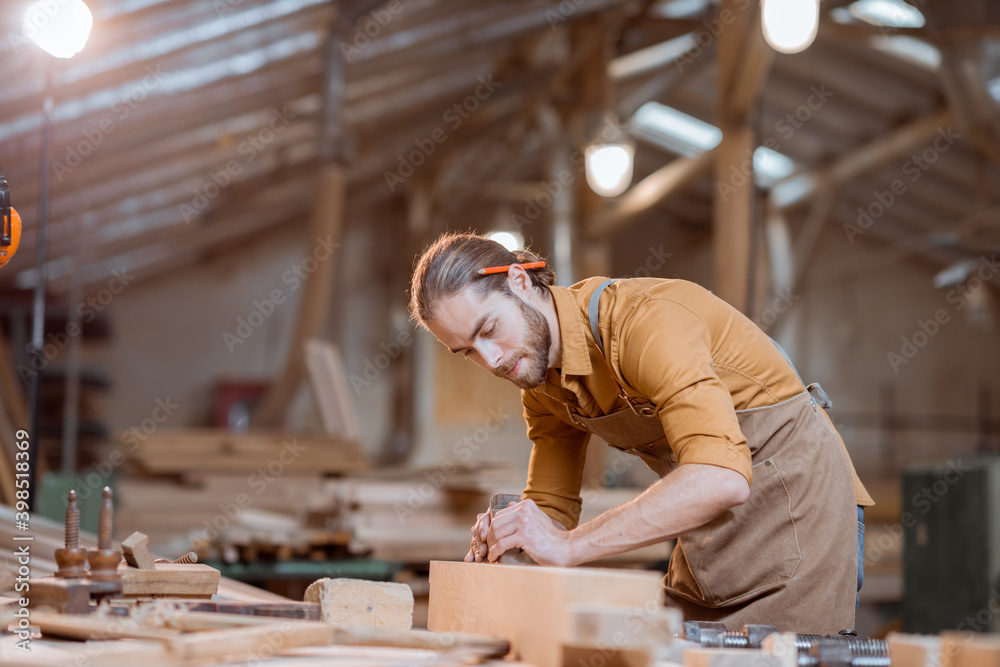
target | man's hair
x=450, y=264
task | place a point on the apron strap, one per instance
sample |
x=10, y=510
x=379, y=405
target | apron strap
x=592, y=314
x=592, y=309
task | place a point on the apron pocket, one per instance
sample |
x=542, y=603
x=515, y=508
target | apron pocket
x=742, y=553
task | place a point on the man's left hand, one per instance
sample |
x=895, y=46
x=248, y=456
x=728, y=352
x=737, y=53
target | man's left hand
x=524, y=525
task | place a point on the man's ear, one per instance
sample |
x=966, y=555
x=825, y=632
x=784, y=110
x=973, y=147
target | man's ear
x=518, y=280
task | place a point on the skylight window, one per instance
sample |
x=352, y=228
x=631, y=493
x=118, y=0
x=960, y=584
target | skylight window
x=679, y=9
x=888, y=13
x=771, y=166
x=913, y=50
x=993, y=87
x=686, y=135
x=675, y=130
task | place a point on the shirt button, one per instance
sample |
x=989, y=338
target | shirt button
x=673, y=457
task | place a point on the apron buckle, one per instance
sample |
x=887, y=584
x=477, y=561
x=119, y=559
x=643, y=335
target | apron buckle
x=816, y=392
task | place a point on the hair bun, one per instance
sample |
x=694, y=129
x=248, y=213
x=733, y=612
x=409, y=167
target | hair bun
x=543, y=277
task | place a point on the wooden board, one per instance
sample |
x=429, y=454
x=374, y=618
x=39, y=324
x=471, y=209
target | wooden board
x=530, y=605
x=329, y=385
x=966, y=649
x=327, y=223
x=729, y=657
x=172, y=451
x=8, y=449
x=355, y=602
x=908, y=650
x=618, y=636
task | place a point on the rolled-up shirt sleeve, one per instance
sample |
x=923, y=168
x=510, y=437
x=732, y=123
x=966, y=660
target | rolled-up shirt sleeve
x=665, y=354
x=555, y=471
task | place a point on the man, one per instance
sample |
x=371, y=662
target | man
x=756, y=484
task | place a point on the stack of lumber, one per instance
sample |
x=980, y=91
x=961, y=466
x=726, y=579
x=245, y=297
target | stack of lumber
x=413, y=520
x=274, y=453
x=258, y=535
x=411, y=517
x=172, y=511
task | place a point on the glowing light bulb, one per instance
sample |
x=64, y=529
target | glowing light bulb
x=789, y=26
x=609, y=168
x=510, y=240
x=60, y=27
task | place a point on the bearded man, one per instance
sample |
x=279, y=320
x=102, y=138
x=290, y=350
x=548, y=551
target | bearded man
x=755, y=483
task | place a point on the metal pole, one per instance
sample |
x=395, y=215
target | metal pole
x=71, y=396
x=38, y=302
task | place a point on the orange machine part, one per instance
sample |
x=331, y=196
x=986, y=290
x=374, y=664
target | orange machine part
x=7, y=252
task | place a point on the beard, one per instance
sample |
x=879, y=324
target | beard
x=535, y=353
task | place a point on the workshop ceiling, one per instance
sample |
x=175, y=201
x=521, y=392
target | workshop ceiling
x=187, y=126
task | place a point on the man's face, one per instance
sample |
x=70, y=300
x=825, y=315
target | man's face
x=502, y=333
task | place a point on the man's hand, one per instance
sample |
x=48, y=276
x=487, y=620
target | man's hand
x=478, y=550
x=524, y=525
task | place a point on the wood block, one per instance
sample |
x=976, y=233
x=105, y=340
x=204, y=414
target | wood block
x=249, y=643
x=622, y=626
x=170, y=580
x=914, y=650
x=729, y=657
x=618, y=636
x=530, y=606
x=135, y=548
x=92, y=627
x=966, y=649
x=356, y=602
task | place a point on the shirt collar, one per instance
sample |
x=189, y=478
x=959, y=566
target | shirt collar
x=573, y=332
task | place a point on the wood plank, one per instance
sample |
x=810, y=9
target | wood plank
x=966, y=649
x=93, y=626
x=11, y=390
x=729, y=657
x=216, y=450
x=355, y=602
x=326, y=226
x=618, y=636
x=515, y=602
x=8, y=493
x=328, y=380
x=909, y=650
x=743, y=63
x=250, y=642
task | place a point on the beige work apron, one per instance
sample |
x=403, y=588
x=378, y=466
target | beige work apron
x=788, y=556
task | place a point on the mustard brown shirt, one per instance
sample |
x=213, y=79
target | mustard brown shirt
x=670, y=342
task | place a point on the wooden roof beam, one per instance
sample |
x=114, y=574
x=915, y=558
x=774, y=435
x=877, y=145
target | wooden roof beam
x=743, y=62
x=799, y=190
x=650, y=191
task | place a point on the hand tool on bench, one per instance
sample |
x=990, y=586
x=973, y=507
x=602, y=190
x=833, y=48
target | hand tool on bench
x=73, y=586
x=515, y=556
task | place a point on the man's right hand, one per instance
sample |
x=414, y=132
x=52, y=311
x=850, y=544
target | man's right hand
x=478, y=549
